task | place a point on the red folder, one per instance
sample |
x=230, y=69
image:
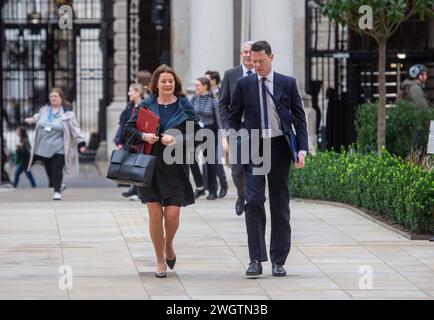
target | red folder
x=148, y=122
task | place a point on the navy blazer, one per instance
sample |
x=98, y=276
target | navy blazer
x=246, y=101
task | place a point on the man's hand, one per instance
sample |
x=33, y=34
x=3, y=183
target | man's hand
x=83, y=149
x=150, y=138
x=301, y=161
x=167, y=139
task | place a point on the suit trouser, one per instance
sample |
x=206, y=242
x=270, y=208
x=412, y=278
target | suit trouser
x=278, y=188
x=237, y=173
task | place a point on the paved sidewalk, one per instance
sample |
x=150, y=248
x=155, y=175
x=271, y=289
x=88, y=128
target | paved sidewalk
x=104, y=239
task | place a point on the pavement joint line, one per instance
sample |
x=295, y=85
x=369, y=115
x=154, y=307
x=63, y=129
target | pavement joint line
x=409, y=253
x=131, y=255
x=231, y=250
x=327, y=276
x=359, y=212
x=366, y=247
x=422, y=290
x=60, y=244
x=142, y=214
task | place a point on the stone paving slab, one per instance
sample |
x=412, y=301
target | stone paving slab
x=104, y=239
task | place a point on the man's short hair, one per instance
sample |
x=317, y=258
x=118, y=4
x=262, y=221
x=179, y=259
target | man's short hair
x=247, y=44
x=262, y=46
x=214, y=75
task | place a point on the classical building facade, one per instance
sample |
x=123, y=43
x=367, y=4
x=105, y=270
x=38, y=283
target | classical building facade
x=207, y=35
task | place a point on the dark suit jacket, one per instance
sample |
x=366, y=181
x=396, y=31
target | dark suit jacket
x=246, y=101
x=123, y=118
x=230, y=79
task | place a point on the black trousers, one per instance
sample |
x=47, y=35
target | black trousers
x=54, y=169
x=278, y=189
x=211, y=169
x=237, y=173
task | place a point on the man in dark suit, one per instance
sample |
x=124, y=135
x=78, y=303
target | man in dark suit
x=230, y=79
x=253, y=99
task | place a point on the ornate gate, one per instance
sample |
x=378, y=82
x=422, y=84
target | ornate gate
x=38, y=53
x=341, y=70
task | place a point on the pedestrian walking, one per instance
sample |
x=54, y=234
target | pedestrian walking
x=57, y=141
x=22, y=158
x=136, y=93
x=230, y=79
x=254, y=99
x=171, y=188
x=206, y=108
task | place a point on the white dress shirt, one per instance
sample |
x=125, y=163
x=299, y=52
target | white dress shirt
x=245, y=70
x=273, y=118
x=274, y=126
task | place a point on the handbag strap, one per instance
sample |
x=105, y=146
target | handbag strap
x=127, y=146
x=276, y=103
x=278, y=107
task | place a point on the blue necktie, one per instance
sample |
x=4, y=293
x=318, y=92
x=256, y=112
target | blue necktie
x=264, y=102
x=249, y=72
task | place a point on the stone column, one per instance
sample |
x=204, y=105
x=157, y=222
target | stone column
x=180, y=37
x=273, y=21
x=282, y=24
x=211, y=36
x=119, y=71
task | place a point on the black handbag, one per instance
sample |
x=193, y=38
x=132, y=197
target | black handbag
x=132, y=168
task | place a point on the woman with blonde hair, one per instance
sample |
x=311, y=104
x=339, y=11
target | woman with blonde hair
x=136, y=93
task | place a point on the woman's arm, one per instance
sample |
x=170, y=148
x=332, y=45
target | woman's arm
x=134, y=136
x=215, y=108
x=130, y=130
x=35, y=118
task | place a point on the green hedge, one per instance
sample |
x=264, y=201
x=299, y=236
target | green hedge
x=385, y=184
x=407, y=127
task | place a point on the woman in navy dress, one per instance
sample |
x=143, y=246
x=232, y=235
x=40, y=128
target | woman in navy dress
x=171, y=188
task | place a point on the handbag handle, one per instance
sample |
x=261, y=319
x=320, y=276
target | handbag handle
x=127, y=146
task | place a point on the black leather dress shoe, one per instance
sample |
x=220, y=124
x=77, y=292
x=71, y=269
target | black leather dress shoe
x=278, y=271
x=254, y=270
x=211, y=196
x=198, y=193
x=223, y=192
x=239, y=206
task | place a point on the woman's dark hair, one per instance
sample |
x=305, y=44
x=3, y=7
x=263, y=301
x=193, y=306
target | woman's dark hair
x=144, y=78
x=205, y=82
x=214, y=75
x=156, y=76
x=262, y=46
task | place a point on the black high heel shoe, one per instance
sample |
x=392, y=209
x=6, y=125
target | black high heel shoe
x=171, y=263
x=161, y=274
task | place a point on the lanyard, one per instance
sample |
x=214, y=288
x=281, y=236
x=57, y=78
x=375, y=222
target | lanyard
x=52, y=116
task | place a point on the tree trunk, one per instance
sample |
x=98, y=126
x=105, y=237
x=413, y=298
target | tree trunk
x=381, y=133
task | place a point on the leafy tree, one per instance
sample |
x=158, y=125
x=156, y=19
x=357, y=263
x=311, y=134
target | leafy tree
x=387, y=15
